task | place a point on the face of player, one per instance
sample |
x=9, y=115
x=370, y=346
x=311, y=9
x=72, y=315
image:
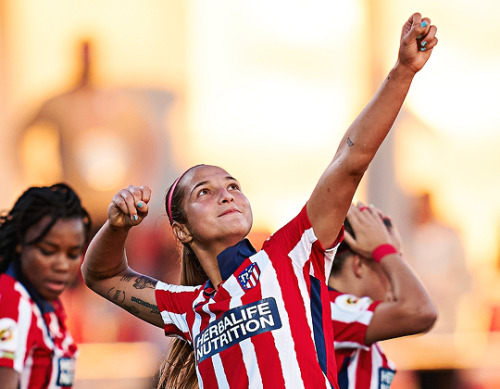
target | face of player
x=52, y=264
x=217, y=210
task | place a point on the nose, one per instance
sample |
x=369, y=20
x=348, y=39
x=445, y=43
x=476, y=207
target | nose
x=225, y=196
x=61, y=263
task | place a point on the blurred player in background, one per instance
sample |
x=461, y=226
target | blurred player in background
x=375, y=296
x=42, y=239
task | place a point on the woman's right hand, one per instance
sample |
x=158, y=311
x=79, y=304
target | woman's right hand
x=129, y=207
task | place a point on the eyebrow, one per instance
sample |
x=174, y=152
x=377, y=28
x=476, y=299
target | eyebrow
x=228, y=178
x=56, y=246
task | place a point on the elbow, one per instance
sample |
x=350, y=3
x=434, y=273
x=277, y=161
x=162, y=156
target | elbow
x=429, y=317
x=357, y=163
x=423, y=317
x=87, y=276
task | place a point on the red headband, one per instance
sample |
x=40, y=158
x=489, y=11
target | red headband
x=169, y=201
x=171, y=193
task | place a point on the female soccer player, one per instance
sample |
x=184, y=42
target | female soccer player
x=42, y=239
x=250, y=319
x=375, y=297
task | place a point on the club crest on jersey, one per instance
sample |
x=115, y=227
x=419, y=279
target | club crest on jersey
x=249, y=277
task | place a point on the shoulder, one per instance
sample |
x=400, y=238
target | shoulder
x=11, y=291
x=175, y=298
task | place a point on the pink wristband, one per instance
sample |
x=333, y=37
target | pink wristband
x=383, y=250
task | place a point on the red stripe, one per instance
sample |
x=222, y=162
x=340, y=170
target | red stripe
x=268, y=358
x=364, y=370
x=310, y=371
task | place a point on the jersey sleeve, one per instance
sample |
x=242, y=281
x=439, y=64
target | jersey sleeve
x=174, y=303
x=298, y=243
x=351, y=317
x=15, y=322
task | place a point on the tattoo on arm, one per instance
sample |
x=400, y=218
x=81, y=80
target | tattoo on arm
x=140, y=282
x=133, y=310
x=154, y=308
x=116, y=294
x=127, y=277
x=350, y=143
x=143, y=282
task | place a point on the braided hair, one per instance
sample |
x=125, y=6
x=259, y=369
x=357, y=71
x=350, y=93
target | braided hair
x=59, y=202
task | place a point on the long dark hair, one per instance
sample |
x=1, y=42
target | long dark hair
x=58, y=201
x=177, y=369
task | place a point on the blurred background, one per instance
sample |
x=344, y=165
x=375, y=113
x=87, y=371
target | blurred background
x=103, y=94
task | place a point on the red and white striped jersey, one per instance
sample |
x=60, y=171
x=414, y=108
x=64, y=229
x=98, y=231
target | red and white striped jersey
x=359, y=366
x=34, y=340
x=268, y=325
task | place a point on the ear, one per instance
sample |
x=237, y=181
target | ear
x=181, y=232
x=357, y=265
x=18, y=249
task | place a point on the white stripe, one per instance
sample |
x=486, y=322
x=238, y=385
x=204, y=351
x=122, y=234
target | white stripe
x=26, y=373
x=377, y=362
x=249, y=354
x=195, y=332
x=283, y=337
x=23, y=325
x=177, y=319
x=175, y=288
x=329, y=256
x=215, y=359
x=348, y=344
x=219, y=372
x=300, y=255
x=352, y=369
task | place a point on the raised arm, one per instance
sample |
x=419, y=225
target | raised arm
x=105, y=268
x=333, y=194
x=409, y=310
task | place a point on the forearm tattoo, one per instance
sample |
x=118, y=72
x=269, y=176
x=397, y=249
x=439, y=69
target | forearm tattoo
x=133, y=310
x=140, y=282
x=116, y=295
x=350, y=143
x=154, y=308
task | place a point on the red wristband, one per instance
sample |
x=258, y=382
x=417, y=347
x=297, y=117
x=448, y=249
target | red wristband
x=383, y=250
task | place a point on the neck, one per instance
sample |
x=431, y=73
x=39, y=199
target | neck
x=208, y=260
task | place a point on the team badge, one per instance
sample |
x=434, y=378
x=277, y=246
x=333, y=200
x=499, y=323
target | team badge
x=5, y=334
x=249, y=277
x=7, y=329
x=351, y=303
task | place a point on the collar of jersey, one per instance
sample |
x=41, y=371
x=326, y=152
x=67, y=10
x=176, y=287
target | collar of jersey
x=17, y=274
x=231, y=258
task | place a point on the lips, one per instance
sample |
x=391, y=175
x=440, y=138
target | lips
x=229, y=212
x=56, y=286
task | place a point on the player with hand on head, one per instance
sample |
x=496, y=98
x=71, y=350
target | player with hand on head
x=42, y=239
x=231, y=315
x=375, y=296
